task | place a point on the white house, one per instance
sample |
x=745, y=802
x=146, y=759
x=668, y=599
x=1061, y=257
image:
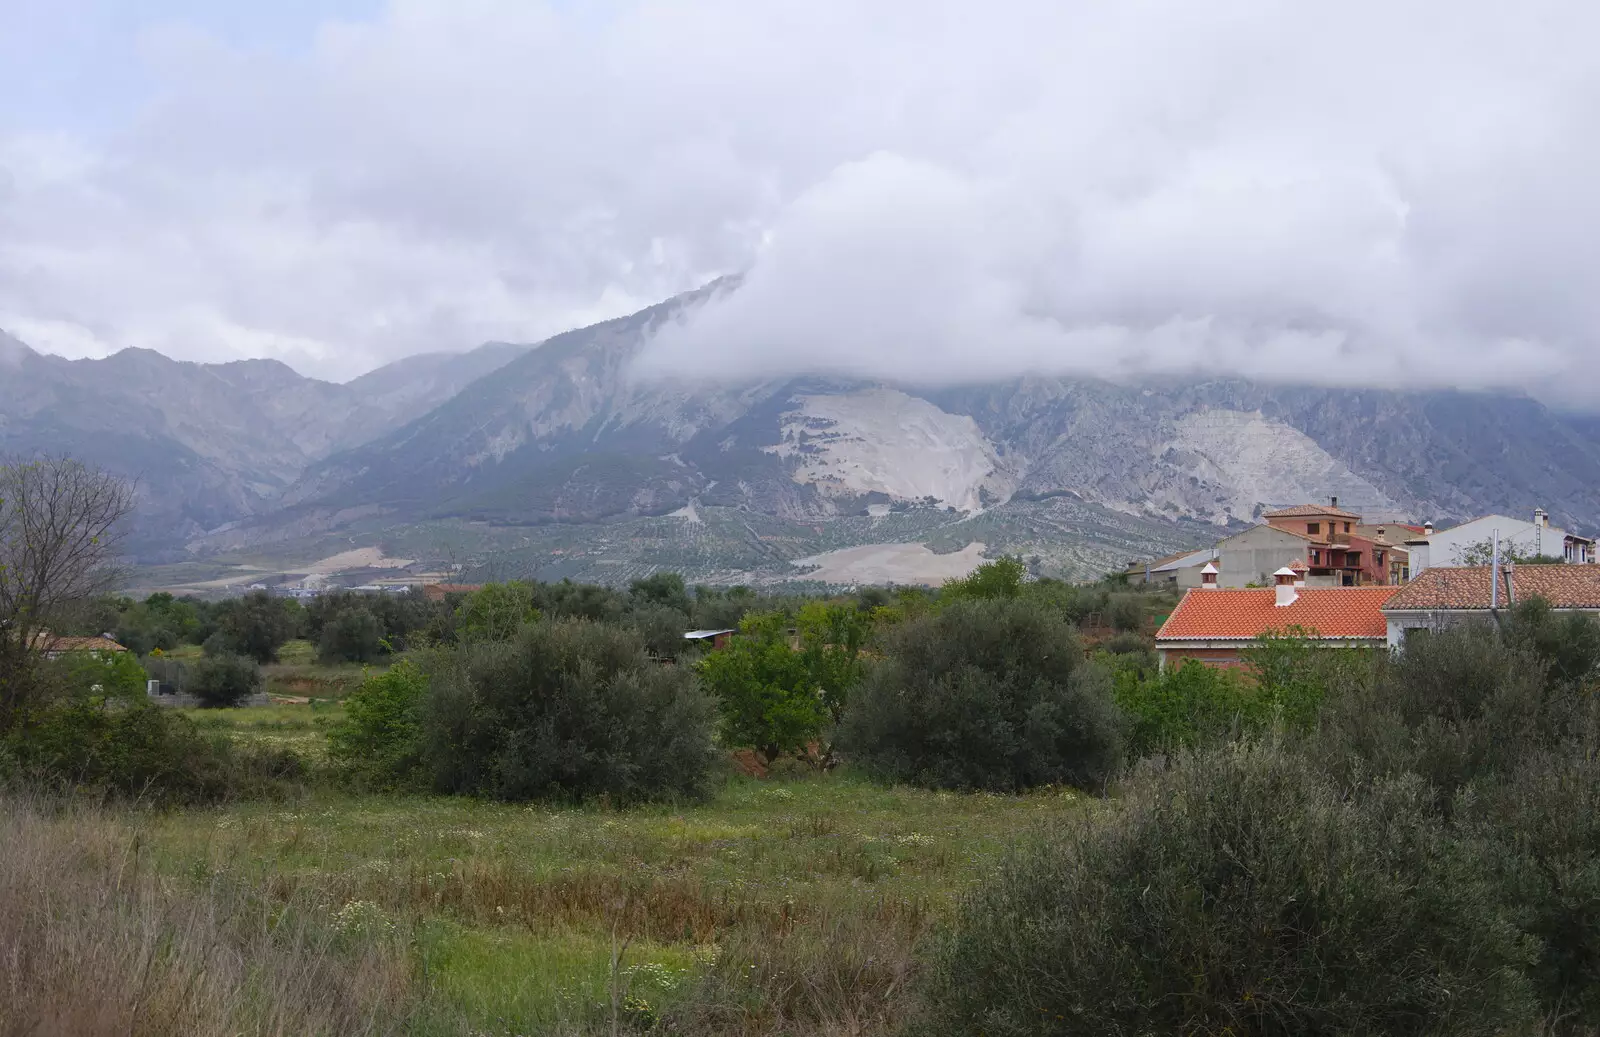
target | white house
x=1449, y=547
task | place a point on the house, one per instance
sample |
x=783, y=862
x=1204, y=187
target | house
x=1181, y=570
x=54, y=646
x=1461, y=545
x=716, y=638
x=1251, y=557
x=439, y=591
x=1444, y=596
x=1213, y=625
x=1339, y=553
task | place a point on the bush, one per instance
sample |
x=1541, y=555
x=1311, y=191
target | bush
x=379, y=738
x=1456, y=707
x=568, y=709
x=353, y=635
x=1186, y=706
x=255, y=625
x=140, y=751
x=1125, y=612
x=984, y=694
x=1238, y=894
x=220, y=681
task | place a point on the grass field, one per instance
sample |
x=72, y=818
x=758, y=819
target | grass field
x=792, y=905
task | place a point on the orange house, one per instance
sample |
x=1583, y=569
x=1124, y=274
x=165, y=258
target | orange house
x=1213, y=626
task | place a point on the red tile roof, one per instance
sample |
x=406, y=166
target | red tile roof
x=1309, y=511
x=48, y=642
x=1467, y=587
x=1331, y=612
x=437, y=591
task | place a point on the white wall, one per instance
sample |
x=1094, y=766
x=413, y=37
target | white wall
x=1444, y=547
x=1254, y=555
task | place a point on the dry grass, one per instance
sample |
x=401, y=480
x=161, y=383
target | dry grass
x=94, y=942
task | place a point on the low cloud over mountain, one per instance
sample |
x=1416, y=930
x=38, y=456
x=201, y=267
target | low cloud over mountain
x=1362, y=193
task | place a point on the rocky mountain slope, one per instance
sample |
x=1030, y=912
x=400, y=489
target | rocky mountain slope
x=210, y=443
x=566, y=433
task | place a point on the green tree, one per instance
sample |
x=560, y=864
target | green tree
x=496, y=612
x=256, y=625
x=661, y=588
x=352, y=635
x=768, y=694
x=379, y=738
x=831, y=639
x=1001, y=578
x=220, y=681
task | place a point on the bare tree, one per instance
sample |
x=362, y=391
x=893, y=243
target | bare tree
x=60, y=528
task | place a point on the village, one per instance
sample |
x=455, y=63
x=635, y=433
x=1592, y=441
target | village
x=1322, y=573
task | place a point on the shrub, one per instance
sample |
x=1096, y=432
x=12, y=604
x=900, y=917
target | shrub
x=1568, y=643
x=1456, y=707
x=984, y=694
x=1186, y=706
x=568, y=709
x=379, y=738
x=1001, y=578
x=223, y=680
x=661, y=629
x=1125, y=611
x=1236, y=894
x=139, y=751
x=352, y=635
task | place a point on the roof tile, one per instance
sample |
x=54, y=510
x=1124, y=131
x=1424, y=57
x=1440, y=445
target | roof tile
x=1332, y=612
x=1309, y=511
x=1467, y=587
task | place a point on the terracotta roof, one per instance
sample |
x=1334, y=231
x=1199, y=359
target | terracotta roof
x=1332, y=612
x=1309, y=511
x=1467, y=587
x=47, y=642
x=437, y=591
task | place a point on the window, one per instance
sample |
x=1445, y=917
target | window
x=1377, y=557
x=1316, y=557
x=1347, y=527
x=1313, y=528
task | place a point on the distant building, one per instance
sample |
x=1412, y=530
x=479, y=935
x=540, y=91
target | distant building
x=1214, y=625
x=718, y=639
x=1339, y=554
x=1451, y=547
x=439, y=591
x=1444, y=596
x=1253, y=556
x=1181, y=570
x=54, y=646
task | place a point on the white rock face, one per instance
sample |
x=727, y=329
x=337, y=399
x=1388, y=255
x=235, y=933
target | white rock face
x=1255, y=461
x=881, y=440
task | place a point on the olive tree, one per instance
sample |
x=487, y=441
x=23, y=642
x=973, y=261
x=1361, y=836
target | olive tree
x=60, y=526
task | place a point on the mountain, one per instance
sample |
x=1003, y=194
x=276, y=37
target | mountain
x=557, y=458
x=564, y=434
x=209, y=444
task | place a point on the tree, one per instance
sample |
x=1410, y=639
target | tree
x=256, y=625
x=60, y=526
x=224, y=680
x=1482, y=553
x=831, y=639
x=352, y=635
x=768, y=695
x=496, y=612
x=661, y=588
x=1001, y=578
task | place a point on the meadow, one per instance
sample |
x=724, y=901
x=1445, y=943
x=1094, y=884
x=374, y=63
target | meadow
x=787, y=905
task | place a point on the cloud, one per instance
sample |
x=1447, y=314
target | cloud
x=1366, y=193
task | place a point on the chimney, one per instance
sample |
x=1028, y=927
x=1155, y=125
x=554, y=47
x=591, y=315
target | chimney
x=1334, y=501
x=1540, y=518
x=1381, y=531
x=1427, y=528
x=1208, y=577
x=1286, y=592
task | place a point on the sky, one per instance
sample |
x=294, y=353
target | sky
x=1361, y=193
